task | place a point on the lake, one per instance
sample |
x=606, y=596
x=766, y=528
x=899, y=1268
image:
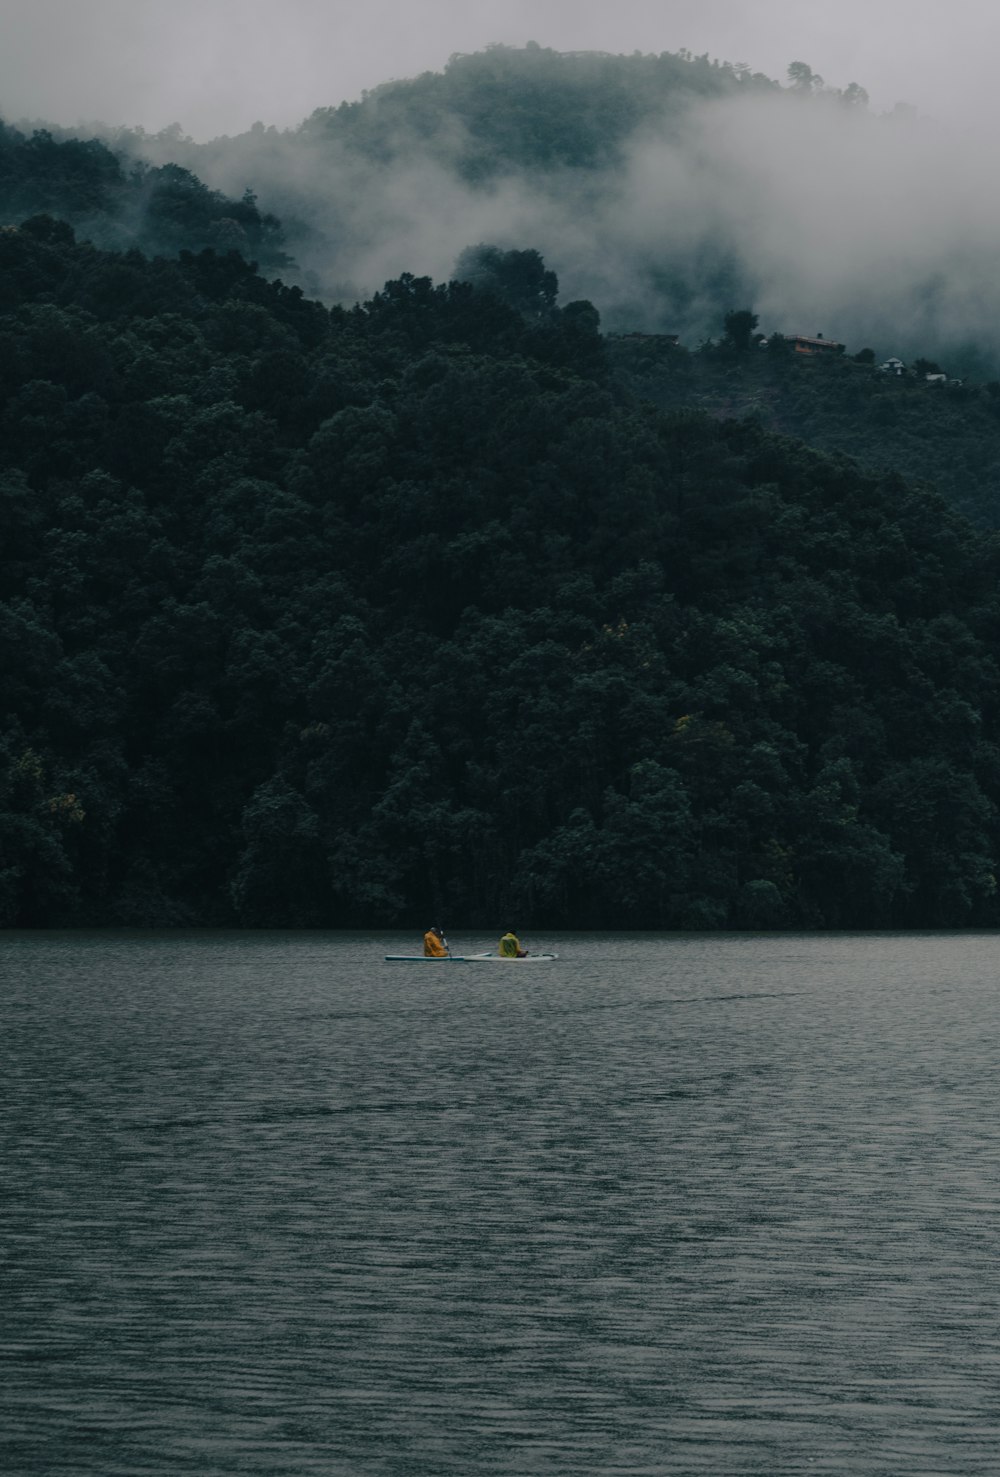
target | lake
x=670, y=1204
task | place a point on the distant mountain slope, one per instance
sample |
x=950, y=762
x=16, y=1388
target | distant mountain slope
x=665, y=189
x=484, y=149
x=505, y=110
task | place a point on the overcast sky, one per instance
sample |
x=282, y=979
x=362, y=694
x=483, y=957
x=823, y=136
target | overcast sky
x=216, y=66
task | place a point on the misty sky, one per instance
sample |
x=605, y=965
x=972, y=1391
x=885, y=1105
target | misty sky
x=216, y=66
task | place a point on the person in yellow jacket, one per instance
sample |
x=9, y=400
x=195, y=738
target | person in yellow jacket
x=435, y=944
x=510, y=946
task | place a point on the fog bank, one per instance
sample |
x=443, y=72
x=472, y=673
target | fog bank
x=822, y=214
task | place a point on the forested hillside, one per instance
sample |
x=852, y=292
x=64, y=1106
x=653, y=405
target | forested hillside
x=118, y=202
x=665, y=188
x=317, y=616
x=508, y=144
x=947, y=436
x=943, y=434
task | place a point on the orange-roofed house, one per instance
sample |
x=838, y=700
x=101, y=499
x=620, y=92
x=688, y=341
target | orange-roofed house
x=818, y=345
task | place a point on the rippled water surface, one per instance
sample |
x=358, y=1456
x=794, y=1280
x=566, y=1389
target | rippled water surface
x=667, y=1205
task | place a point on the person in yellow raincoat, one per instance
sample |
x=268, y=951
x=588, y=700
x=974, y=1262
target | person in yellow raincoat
x=435, y=944
x=510, y=946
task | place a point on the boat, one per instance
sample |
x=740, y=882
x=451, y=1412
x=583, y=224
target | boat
x=425, y=958
x=505, y=959
x=467, y=959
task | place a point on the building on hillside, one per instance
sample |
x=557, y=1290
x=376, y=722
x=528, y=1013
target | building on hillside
x=802, y=344
x=893, y=366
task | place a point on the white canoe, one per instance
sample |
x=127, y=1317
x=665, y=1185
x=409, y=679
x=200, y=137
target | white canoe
x=467, y=959
x=503, y=959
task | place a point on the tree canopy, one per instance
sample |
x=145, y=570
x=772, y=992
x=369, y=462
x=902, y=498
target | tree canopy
x=943, y=435
x=342, y=617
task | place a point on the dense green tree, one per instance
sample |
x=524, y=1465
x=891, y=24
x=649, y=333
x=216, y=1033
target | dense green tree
x=518, y=278
x=802, y=78
x=739, y=327
x=854, y=95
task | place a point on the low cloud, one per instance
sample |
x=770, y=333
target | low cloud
x=824, y=217
x=875, y=228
